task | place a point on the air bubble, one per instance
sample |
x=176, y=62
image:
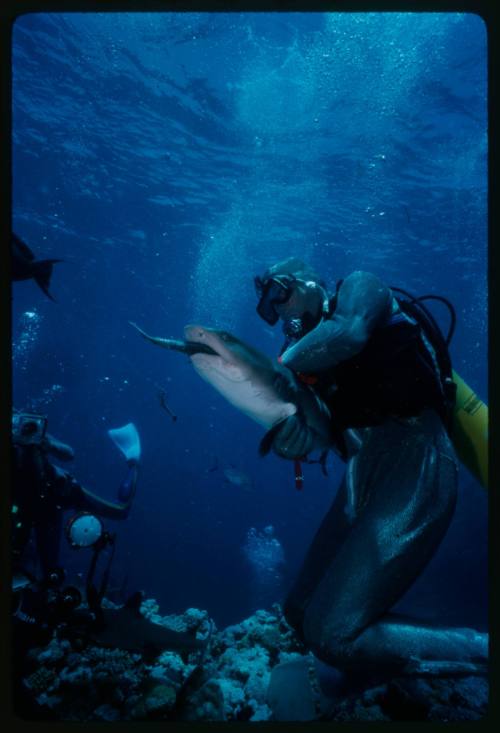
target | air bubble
x=266, y=560
x=37, y=404
x=28, y=328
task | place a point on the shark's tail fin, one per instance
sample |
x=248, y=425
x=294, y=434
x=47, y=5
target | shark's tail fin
x=42, y=274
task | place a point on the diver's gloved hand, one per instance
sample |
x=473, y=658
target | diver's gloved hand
x=294, y=439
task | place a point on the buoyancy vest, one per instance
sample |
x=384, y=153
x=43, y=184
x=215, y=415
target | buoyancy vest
x=399, y=372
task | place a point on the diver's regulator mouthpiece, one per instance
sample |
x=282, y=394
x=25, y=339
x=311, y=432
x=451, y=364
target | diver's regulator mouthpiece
x=295, y=328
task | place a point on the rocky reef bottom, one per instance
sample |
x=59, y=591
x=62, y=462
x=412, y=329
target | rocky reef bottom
x=256, y=670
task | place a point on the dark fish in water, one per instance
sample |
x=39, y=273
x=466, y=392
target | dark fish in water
x=26, y=267
x=162, y=396
x=126, y=628
x=238, y=478
x=232, y=475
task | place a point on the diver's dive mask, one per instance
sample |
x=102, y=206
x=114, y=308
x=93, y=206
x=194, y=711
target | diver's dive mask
x=273, y=291
x=28, y=428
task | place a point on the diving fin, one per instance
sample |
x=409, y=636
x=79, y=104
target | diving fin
x=127, y=441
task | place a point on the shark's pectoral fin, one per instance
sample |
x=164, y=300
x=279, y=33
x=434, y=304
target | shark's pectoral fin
x=266, y=443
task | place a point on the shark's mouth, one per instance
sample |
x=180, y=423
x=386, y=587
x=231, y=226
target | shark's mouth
x=243, y=376
x=202, y=341
x=212, y=358
x=195, y=347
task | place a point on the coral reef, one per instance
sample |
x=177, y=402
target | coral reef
x=431, y=699
x=231, y=681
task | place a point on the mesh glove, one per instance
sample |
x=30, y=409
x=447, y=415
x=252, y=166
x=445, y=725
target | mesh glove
x=293, y=439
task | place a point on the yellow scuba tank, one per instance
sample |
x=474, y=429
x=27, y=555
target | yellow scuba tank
x=469, y=431
x=469, y=421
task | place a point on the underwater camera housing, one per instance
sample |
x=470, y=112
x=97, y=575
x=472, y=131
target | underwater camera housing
x=28, y=428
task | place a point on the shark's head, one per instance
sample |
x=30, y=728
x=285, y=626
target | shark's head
x=230, y=363
x=243, y=375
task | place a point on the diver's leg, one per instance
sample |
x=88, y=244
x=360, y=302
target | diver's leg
x=407, y=476
x=330, y=535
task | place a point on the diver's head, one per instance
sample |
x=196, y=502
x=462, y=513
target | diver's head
x=292, y=291
x=28, y=428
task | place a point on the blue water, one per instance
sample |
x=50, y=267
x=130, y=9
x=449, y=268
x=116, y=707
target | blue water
x=168, y=158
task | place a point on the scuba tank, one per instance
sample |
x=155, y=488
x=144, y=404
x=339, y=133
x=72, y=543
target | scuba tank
x=469, y=431
x=468, y=415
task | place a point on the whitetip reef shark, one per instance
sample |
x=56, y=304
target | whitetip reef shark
x=257, y=386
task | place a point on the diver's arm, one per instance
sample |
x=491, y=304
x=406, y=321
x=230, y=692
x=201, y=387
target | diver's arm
x=102, y=507
x=61, y=451
x=363, y=302
x=77, y=497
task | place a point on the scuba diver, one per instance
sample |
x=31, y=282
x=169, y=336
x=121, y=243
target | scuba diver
x=43, y=607
x=42, y=491
x=381, y=366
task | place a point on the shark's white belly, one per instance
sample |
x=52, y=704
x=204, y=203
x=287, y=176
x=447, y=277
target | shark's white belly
x=259, y=402
x=263, y=408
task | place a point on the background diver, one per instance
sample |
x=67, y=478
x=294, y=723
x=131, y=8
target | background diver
x=386, y=380
x=42, y=491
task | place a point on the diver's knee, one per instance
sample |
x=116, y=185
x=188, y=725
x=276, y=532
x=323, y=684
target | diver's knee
x=334, y=646
x=331, y=647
